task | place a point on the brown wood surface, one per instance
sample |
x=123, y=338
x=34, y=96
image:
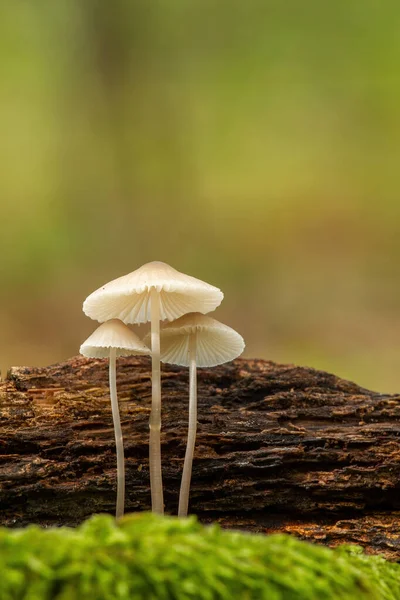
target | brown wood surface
x=279, y=448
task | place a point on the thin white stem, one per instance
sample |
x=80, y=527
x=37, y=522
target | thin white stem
x=187, y=467
x=119, y=444
x=157, y=500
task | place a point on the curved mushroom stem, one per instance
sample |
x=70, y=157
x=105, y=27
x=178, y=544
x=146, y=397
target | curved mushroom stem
x=118, y=435
x=187, y=467
x=157, y=500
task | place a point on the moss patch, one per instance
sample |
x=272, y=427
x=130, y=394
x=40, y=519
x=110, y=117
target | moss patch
x=147, y=556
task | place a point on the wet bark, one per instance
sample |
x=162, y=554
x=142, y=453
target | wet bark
x=279, y=448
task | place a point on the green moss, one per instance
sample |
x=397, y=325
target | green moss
x=147, y=556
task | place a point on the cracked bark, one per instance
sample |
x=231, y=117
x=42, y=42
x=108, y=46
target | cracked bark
x=279, y=448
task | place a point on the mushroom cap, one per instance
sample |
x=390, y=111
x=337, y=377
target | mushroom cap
x=216, y=343
x=128, y=297
x=113, y=334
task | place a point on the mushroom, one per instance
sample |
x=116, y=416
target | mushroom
x=112, y=339
x=155, y=292
x=196, y=340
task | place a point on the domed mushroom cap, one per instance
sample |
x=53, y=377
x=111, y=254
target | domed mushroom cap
x=113, y=334
x=216, y=343
x=128, y=297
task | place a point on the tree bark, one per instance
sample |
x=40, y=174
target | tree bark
x=279, y=448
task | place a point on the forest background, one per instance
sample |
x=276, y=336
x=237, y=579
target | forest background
x=253, y=144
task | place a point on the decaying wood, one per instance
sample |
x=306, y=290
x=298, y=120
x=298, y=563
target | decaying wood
x=279, y=448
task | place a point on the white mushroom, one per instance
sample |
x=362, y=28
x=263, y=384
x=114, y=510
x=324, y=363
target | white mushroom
x=155, y=292
x=109, y=340
x=196, y=340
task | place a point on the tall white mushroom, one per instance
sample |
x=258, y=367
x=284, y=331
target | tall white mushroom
x=196, y=340
x=109, y=340
x=155, y=292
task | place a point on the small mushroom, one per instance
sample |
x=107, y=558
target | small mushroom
x=155, y=292
x=196, y=340
x=109, y=340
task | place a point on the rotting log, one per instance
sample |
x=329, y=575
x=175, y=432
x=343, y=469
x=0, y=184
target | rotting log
x=279, y=448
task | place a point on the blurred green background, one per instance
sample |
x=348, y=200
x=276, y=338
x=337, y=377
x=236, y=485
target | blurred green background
x=252, y=144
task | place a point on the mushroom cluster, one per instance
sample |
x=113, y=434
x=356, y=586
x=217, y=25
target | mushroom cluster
x=157, y=292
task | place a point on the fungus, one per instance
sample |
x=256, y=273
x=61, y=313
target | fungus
x=155, y=292
x=196, y=340
x=109, y=340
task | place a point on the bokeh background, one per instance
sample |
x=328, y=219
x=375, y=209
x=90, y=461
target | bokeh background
x=253, y=144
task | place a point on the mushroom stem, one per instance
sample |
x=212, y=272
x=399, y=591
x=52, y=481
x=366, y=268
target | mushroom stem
x=187, y=467
x=157, y=500
x=118, y=435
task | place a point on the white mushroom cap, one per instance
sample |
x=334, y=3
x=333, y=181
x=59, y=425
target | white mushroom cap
x=113, y=334
x=216, y=343
x=128, y=297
